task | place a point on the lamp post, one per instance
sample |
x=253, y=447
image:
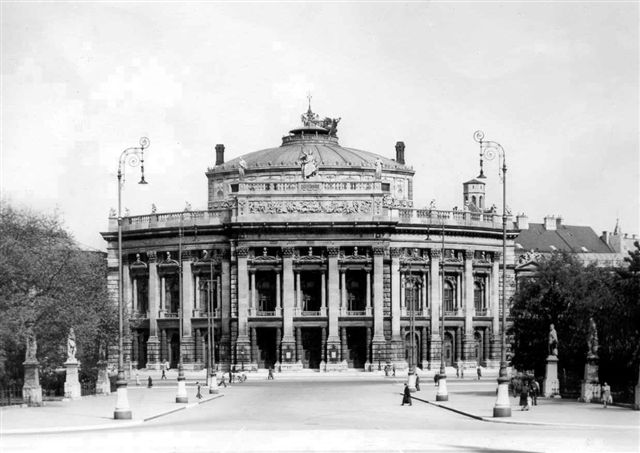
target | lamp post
x=488, y=150
x=181, y=395
x=442, y=393
x=213, y=381
x=411, y=282
x=132, y=156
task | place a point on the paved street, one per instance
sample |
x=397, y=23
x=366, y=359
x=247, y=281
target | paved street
x=341, y=414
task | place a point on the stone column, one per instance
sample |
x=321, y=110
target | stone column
x=485, y=344
x=333, y=341
x=163, y=293
x=368, y=293
x=324, y=345
x=323, y=294
x=153, y=344
x=135, y=305
x=299, y=344
x=225, y=312
x=198, y=303
x=186, y=342
x=127, y=286
x=252, y=302
x=278, y=343
x=343, y=343
x=163, y=345
x=299, y=306
x=458, y=342
x=242, y=342
x=397, y=344
x=403, y=292
x=435, y=297
x=216, y=303
x=379, y=343
x=367, y=368
x=494, y=307
x=254, y=345
x=344, y=306
x=424, y=336
x=288, y=290
x=469, y=309
x=425, y=287
x=135, y=337
x=278, y=296
x=198, y=343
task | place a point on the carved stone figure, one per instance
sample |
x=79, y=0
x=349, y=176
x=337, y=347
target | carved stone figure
x=71, y=346
x=32, y=344
x=242, y=165
x=154, y=209
x=378, y=168
x=592, y=340
x=553, y=341
x=112, y=212
x=308, y=164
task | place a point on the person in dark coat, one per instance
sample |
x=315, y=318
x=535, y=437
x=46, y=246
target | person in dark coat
x=406, y=396
x=270, y=376
x=524, y=398
x=149, y=382
x=417, y=383
x=436, y=378
x=199, y=394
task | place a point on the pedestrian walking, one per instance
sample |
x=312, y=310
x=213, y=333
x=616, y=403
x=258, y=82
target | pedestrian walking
x=479, y=371
x=149, y=382
x=393, y=369
x=199, y=394
x=163, y=367
x=270, y=376
x=436, y=378
x=535, y=391
x=406, y=396
x=459, y=369
x=524, y=398
x=417, y=383
x=137, y=377
x=230, y=377
x=223, y=381
x=606, y=395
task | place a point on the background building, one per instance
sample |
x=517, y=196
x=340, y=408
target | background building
x=303, y=253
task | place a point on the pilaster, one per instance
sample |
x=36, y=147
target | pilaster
x=378, y=297
x=333, y=340
x=395, y=294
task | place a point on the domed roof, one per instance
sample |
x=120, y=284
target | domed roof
x=315, y=138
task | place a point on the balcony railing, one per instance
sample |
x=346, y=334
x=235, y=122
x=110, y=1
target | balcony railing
x=365, y=312
x=203, y=313
x=451, y=312
x=167, y=314
x=265, y=313
x=140, y=315
x=418, y=312
x=312, y=313
x=482, y=312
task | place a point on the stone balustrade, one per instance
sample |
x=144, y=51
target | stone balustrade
x=363, y=209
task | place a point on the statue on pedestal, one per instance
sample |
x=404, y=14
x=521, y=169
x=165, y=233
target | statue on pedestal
x=553, y=341
x=32, y=344
x=592, y=340
x=71, y=346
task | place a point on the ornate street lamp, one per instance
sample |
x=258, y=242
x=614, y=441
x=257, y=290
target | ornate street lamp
x=213, y=381
x=488, y=150
x=181, y=395
x=442, y=394
x=411, y=283
x=133, y=157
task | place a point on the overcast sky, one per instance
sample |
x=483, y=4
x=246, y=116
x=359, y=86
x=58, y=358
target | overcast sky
x=556, y=84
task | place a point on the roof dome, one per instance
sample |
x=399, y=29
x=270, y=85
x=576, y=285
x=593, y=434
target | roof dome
x=315, y=138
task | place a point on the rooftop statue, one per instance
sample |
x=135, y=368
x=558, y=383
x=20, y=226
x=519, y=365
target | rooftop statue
x=311, y=119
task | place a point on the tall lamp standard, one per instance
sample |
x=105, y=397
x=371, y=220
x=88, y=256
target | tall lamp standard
x=488, y=150
x=181, y=395
x=213, y=380
x=132, y=156
x=442, y=393
x=411, y=283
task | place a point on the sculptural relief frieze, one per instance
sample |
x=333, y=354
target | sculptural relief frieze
x=310, y=207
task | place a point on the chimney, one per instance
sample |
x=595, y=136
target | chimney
x=558, y=221
x=400, y=152
x=605, y=237
x=549, y=223
x=219, y=154
x=522, y=222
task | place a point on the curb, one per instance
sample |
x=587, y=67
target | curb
x=518, y=422
x=119, y=425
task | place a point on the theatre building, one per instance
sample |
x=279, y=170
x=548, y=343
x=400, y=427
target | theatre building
x=312, y=255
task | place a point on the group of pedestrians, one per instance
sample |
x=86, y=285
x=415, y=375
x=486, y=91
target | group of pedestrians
x=529, y=395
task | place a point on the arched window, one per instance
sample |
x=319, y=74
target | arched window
x=481, y=202
x=478, y=296
x=473, y=200
x=449, y=296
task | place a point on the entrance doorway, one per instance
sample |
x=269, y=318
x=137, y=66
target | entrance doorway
x=311, y=347
x=174, y=351
x=267, y=347
x=357, y=346
x=448, y=349
x=142, y=338
x=478, y=349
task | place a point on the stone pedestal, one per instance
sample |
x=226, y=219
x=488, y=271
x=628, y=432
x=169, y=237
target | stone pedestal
x=71, y=383
x=590, y=386
x=339, y=366
x=103, y=385
x=31, y=390
x=378, y=352
x=551, y=385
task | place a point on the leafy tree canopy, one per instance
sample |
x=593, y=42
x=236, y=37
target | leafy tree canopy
x=47, y=280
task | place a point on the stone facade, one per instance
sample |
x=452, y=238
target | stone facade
x=302, y=260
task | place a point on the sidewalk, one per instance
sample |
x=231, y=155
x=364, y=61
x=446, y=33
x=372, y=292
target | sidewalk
x=96, y=412
x=550, y=412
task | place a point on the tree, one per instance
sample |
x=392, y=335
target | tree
x=45, y=278
x=566, y=293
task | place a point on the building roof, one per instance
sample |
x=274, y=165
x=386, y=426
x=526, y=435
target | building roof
x=566, y=238
x=474, y=181
x=317, y=138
